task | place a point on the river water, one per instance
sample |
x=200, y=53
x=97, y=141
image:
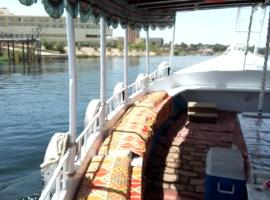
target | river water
x=34, y=105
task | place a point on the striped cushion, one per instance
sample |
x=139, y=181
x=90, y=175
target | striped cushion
x=164, y=111
x=132, y=132
x=106, y=178
x=136, y=184
x=136, y=127
x=123, y=141
x=153, y=99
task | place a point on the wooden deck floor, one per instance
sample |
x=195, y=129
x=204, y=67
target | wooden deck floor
x=175, y=168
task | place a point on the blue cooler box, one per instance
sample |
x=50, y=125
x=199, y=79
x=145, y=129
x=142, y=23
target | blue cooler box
x=225, y=178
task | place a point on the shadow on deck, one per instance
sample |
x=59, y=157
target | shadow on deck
x=175, y=168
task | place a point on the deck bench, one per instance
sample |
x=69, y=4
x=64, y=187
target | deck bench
x=129, y=138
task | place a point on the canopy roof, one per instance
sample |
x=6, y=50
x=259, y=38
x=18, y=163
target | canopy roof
x=135, y=13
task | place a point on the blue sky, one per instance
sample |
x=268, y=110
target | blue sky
x=208, y=26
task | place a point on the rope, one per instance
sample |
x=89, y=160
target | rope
x=249, y=31
x=261, y=97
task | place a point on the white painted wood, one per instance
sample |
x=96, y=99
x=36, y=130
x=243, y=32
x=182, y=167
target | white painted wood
x=126, y=64
x=102, y=71
x=147, y=52
x=172, y=46
x=72, y=90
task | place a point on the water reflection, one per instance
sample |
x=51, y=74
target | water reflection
x=9, y=68
x=134, y=61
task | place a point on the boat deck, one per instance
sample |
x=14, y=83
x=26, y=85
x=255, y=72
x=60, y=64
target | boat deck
x=255, y=130
x=175, y=166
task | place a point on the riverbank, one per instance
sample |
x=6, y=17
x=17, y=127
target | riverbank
x=89, y=52
x=94, y=52
x=58, y=50
x=112, y=52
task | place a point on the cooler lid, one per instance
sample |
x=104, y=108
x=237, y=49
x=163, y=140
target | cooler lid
x=226, y=163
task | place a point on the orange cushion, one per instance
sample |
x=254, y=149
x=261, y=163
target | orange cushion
x=106, y=178
x=153, y=99
x=136, y=126
x=136, y=184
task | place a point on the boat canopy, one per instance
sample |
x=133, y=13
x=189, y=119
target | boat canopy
x=135, y=13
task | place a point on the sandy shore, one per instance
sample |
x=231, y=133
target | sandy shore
x=91, y=52
x=85, y=52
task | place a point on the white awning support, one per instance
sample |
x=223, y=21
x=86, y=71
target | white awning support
x=72, y=90
x=102, y=71
x=172, y=46
x=261, y=97
x=126, y=64
x=147, y=52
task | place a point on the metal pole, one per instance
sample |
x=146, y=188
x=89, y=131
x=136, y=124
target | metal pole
x=23, y=52
x=261, y=97
x=126, y=64
x=27, y=48
x=72, y=90
x=13, y=52
x=237, y=19
x=39, y=51
x=172, y=46
x=249, y=32
x=102, y=71
x=8, y=51
x=260, y=34
x=147, y=51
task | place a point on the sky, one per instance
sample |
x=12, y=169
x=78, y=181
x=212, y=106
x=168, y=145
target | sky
x=207, y=27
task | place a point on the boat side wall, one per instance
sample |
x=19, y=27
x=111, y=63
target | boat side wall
x=223, y=79
x=213, y=79
x=231, y=90
x=229, y=100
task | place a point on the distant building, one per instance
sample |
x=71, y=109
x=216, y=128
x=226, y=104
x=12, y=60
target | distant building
x=133, y=36
x=117, y=41
x=50, y=29
x=157, y=42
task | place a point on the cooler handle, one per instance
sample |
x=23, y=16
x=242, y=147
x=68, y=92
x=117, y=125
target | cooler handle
x=225, y=191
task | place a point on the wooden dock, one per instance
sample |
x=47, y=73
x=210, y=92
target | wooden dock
x=29, y=45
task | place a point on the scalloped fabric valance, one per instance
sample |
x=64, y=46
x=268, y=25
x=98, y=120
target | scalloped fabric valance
x=114, y=11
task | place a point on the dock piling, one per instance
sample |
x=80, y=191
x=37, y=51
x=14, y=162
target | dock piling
x=14, y=43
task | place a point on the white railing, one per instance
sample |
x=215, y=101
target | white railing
x=58, y=182
x=91, y=129
x=153, y=76
x=115, y=101
x=57, y=185
x=132, y=89
x=159, y=74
